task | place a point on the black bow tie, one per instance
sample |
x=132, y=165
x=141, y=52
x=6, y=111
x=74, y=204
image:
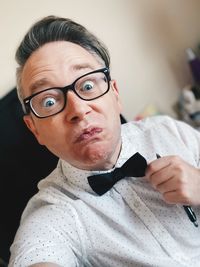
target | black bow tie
x=135, y=166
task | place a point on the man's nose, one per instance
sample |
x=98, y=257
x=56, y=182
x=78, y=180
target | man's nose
x=76, y=108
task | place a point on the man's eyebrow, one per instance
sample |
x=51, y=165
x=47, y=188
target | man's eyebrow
x=44, y=81
x=38, y=83
x=81, y=66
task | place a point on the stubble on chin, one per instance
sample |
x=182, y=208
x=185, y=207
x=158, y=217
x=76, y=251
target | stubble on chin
x=97, y=158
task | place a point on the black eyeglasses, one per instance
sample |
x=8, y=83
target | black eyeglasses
x=53, y=100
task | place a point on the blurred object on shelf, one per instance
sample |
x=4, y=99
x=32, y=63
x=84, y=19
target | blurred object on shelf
x=188, y=105
x=149, y=110
x=194, y=63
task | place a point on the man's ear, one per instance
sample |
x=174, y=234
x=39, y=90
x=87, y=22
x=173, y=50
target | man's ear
x=114, y=87
x=31, y=125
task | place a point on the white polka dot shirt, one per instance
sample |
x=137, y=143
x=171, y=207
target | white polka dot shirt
x=68, y=224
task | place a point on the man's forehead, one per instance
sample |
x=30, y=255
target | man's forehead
x=57, y=57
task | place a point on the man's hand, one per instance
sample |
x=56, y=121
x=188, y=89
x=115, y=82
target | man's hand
x=175, y=179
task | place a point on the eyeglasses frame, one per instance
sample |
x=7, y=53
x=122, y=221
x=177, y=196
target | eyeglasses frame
x=65, y=89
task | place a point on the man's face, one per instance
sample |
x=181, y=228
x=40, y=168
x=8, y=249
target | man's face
x=86, y=133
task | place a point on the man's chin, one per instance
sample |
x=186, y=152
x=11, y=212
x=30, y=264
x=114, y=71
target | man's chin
x=94, y=157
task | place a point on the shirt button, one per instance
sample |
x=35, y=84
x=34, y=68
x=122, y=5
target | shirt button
x=136, y=204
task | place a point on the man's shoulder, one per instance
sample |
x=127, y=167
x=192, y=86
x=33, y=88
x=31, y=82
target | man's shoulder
x=48, y=192
x=160, y=125
x=149, y=122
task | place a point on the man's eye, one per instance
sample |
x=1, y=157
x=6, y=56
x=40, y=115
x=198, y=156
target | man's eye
x=88, y=85
x=48, y=102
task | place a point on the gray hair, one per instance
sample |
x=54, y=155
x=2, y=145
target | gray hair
x=51, y=29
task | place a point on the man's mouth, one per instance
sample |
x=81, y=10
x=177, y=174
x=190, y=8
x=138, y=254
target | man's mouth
x=88, y=134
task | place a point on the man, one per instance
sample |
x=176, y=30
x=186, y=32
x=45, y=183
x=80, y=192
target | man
x=134, y=217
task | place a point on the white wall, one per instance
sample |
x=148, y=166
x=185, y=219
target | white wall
x=146, y=38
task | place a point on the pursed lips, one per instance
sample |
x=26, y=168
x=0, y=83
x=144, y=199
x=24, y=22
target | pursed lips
x=88, y=134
